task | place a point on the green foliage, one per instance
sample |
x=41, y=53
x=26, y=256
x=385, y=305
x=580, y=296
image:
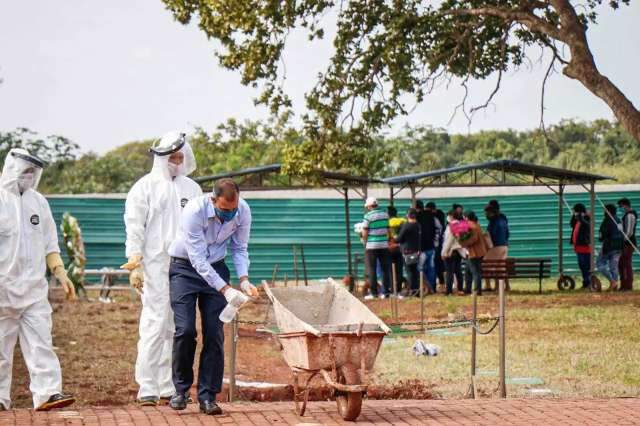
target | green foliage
x=599, y=147
x=387, y=54
x=235, y=146
x=50, y=149
x=74, y=244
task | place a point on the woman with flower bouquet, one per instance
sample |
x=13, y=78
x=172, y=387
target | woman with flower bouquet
x=452, y=249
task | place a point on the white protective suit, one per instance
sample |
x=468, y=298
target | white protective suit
x=27, y=235
x=152, y=215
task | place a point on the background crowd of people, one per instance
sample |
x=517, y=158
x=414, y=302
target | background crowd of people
x=617, y=234
x=447, y=249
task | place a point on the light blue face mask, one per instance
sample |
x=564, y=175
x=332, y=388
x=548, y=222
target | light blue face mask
x=226, y=216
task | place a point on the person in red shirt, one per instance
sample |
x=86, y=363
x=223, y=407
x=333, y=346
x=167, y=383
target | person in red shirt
x=580, y=240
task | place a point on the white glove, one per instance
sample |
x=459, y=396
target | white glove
x=235, y=297
x=249, y=289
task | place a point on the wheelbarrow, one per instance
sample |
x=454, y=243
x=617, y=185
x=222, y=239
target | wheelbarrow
x=324, y=330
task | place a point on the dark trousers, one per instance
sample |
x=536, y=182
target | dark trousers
x=413, y=276
x=186, y=288
x=473, y=273
x=584, y=263
x=371, y=257
x=396, y=259
x=626, y=268
x=440, y=268
x=453, y=264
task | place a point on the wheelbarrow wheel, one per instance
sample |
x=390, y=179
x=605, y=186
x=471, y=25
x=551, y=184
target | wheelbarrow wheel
x=349, y=403
x=566, y=282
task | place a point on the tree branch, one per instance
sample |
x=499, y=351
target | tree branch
x=544, y=85
x=503, y=53
x=531, y=21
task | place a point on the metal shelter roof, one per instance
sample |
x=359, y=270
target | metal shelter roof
x=452, y=176
x=339, y=178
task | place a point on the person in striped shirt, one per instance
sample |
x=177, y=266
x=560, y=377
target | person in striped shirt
x=375, y=236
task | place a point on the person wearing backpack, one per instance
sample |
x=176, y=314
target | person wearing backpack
x=612, y=243
x=629, y=222
x=581, y=241
x=409, y=239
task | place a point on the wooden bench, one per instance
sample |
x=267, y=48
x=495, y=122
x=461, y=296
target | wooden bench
x=517, y=267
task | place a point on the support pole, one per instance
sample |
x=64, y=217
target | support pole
x=394, y=302
x=391, y=195
x=592, y=226
x=421, y=300
x=503, y=349
x=232, y=369
x=560, y=227
x=304, y=265
x=295, y=263
x=352, y=280
x=473, y=342
x=413, y=195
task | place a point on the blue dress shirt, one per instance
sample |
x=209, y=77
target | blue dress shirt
x=204, y=240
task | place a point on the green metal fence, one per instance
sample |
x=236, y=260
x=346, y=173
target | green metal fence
x=318, y=225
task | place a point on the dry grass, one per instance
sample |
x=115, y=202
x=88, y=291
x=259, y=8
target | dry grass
x=579, y=344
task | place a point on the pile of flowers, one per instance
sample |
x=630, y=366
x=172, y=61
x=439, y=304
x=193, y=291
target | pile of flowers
x=460, y=229
x=394, y=225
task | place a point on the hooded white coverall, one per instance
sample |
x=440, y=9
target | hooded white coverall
x=152, y=215
x=27, y=235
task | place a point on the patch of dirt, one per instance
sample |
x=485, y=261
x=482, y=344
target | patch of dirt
x=96, y=344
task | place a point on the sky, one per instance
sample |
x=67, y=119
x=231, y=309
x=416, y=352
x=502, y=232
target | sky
x=106, y=73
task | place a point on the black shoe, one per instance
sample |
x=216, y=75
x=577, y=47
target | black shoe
x=165, y=400
x=210, y=408
x=147, y=401
x=58, y=400
x=178, y=401
x=2, y=407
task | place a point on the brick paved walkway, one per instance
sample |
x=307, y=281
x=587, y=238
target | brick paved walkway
x=452, y=412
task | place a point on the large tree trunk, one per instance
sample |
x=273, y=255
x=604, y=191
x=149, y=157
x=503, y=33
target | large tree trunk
x=626, y=113
x=582, y=67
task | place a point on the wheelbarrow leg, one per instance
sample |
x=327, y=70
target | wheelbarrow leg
x=301, y=404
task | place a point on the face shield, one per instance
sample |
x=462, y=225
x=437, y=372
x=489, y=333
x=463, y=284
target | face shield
x=21, y=171
x=173, y=156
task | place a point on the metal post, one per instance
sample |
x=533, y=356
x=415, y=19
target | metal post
x=391, y=195
x=473, y=342
x=421, y=300
x=394, y=302
x=348, y=233
x=304, y=265
x=592, y=226
x=503, y=349
x=275, y=273
x=295, y=263
x=413, y=195
x=232, y=369
x=560, y=227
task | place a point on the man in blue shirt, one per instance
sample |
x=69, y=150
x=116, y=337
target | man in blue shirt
x=211, y=224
